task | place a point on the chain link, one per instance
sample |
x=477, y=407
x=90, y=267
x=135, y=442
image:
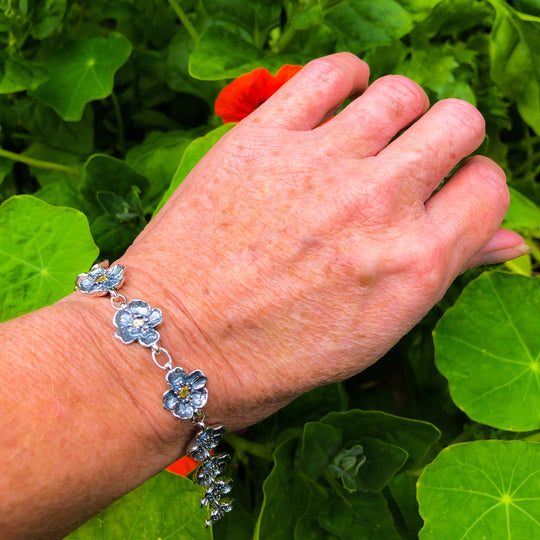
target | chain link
x=115, y=297
x=157, y=350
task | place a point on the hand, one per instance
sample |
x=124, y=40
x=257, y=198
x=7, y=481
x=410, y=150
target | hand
x=295, y=255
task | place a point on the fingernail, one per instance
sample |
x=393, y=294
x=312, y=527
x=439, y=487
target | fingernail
x=503, y=255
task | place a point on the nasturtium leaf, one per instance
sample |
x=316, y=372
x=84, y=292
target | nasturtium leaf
x=221, y=53
x=255, y=16
x=157, y=158
x=43, y=152
x=523, y=215
x=105, y=173
x=320, y=443
x=50, y=129
x=488, y=347
x=166, y=506
x=42, y=249
x=365, y=464
x=82, y=71
x=286, y=496
x=361, y=24
x=19, y=74
x=46, y=16
x=413, y=436
x=113, y=237
x=515, y=56
x=403, y=490
x=383, y=461
x=482, y=489
x=177, y=73
x=346, y=516
x=67, y=194
x=456, y=16
x=307, y=18
x=196, y=150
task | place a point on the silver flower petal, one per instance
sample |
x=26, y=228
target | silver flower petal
x=155, y=317
x=176, y=377
x=169, y=400
x=183, y=410
x=199, y=398
x=124, y=335
x=140, y=307
x=149, y=338
x=197, y=379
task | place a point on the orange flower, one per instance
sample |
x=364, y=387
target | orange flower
x=183, y=466
x=240, y=98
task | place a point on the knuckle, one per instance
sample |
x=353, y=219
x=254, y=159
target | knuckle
x=327, y=71
x=431, y=267
x=462, y=114
x=403, y=97
x=492, y=180
x=400, y=86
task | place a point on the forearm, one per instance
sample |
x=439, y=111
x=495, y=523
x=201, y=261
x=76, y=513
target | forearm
x=82, y=415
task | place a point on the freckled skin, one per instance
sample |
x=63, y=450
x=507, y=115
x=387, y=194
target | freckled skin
x=310, y=252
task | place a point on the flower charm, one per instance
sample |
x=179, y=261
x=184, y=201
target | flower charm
x=101, y=279
x=210, y=468
x=215, y=492
x=136, y=321
x=187, y=393
x=207, y=439
x=218, y=511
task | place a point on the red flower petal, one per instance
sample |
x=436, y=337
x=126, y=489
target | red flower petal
x=240, y=98
x=183, y=466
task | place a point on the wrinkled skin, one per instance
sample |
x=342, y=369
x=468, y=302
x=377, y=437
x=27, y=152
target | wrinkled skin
x=295, y=255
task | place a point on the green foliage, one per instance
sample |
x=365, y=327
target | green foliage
x=478, y=490
x=105, y=108
x=147, y=512
x=333, y=475
x=494, y=376
x=48, y=245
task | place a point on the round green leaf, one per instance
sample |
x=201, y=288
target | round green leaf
x=488, y=347
x=42, y=249
x=166, y=507
x=82, y=71
x=482, y=490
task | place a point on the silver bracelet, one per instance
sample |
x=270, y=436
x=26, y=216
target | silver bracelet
x=135, y=320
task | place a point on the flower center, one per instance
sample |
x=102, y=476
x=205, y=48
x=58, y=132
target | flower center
x=138, y=322
x=101, y=279
x=184, y=391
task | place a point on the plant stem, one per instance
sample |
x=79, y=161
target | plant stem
x=286, y=38
x=39, y=163
x=119, y=122
x=249, y=447
x=184, y=20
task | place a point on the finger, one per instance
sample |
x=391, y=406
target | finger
x=468, y=210
x=317, y=89
x=504, y=246
x=388, y=105
x=428, y=150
